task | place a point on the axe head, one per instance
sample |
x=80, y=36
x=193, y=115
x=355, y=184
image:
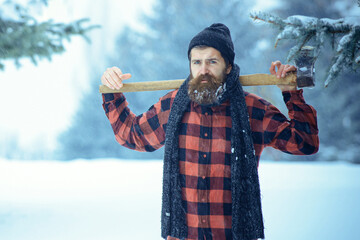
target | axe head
x=305, y=64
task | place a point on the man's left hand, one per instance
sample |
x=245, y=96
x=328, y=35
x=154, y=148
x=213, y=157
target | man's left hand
x=281, y=72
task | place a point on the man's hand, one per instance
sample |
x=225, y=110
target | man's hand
x=281, y=72
x=113, y=78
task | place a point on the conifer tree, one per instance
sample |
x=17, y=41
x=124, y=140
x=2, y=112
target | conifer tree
x=22, y=36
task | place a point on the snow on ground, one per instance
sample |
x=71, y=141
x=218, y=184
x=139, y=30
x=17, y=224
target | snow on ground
x=116, y=199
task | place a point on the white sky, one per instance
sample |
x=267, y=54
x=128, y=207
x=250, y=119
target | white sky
x=37, y=102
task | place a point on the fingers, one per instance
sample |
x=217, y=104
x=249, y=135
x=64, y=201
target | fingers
x=126, y=76
x=280, y=73
x=290, y=68
x=273, y=67
x=113, y=78
x=282, y=69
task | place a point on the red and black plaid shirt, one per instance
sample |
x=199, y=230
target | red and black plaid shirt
x=205, y=148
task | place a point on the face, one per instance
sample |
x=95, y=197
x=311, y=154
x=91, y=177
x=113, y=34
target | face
x=208, y=73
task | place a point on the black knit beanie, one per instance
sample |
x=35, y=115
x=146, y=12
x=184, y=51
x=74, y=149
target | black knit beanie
x=216, y=36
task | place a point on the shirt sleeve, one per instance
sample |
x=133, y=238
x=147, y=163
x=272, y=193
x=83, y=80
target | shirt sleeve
x=297, y=135
x=145, y=132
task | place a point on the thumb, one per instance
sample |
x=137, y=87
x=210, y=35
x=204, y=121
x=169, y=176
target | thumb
x=125, y=76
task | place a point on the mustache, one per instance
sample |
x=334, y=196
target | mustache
x=210, y=80
x=207, y=77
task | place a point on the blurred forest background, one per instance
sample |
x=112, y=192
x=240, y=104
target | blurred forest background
x=158, y=50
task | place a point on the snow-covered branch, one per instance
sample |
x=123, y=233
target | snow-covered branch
x=22, y=36
x=343, y=34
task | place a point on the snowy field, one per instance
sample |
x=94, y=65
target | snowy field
x=114, y=199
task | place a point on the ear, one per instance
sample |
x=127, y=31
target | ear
x=228, y=69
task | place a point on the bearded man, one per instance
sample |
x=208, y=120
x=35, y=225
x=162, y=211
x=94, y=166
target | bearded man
x=214, y=134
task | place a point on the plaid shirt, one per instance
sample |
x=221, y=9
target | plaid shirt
x=205, y=148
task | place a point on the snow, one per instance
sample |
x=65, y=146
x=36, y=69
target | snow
x=331, y=22
x=344, y=40
x=353, y=20
x=118, y=199
x=304, y=20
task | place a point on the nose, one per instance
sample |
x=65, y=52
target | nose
x=204, y=69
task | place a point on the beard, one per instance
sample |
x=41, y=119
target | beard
x=206, y=93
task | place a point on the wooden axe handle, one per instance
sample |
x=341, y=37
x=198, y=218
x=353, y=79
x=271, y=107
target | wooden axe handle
x=246, y=80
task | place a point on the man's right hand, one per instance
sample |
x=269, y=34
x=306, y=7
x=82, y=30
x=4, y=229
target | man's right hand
x=113, y=77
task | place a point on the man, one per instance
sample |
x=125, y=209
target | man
x=214, y=134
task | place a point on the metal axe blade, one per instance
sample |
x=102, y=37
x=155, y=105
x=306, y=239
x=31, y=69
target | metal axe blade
x=305, y=64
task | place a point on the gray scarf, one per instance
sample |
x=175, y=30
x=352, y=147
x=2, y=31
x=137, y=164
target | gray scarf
x=247, y=222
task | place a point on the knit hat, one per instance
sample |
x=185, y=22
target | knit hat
x=216, y=36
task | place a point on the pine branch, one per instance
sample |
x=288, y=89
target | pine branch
x=25, y=37
x=38, y=40
x=264, y=17
x=305, y=29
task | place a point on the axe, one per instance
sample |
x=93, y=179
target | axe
x=303, y=77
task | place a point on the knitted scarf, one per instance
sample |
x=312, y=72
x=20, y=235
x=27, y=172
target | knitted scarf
x=247, y=222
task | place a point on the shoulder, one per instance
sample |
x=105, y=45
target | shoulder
x=167, y=100
x=252, y=100
x=170, y=95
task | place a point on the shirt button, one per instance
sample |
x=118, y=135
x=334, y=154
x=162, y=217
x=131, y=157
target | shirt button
x=205, y=134
x=203, y=199
x=206, y=114
x=203, y=177
x=204, y=221
x=204, y=155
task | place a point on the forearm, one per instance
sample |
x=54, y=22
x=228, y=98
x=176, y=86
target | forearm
x=300, y=134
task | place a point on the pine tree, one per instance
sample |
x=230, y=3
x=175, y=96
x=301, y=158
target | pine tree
x=22, y=36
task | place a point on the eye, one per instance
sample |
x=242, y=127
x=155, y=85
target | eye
x=196, y=62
